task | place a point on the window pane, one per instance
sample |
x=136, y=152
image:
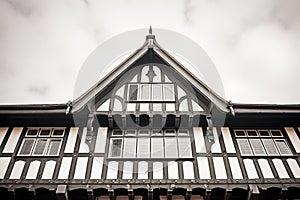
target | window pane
x=251, y=133
x=157, y=147
x=58, y=132
x=257, y=147
x=40, y=147
x=168, y=92
x=171, y=147
x=244, y=147
x=282, y=147
x=145, y=92
x=156, y=92
x=117, y=132
x=132, y=92
x=45, y=132
x=143, y=150
x=26, y=146
x=129, y=147
x=32, y=132
x=54, y=147
x=270, y=147
x=185, y=149
x=264, y=133
x=116, y=147
x=239, y=133
x=276, y=133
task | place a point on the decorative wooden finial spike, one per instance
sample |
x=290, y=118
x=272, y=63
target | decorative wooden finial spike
x=150, y=30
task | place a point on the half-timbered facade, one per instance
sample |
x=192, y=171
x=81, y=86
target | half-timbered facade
x=150, y=129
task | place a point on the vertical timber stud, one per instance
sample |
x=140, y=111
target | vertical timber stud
x=254, y=192
x=61, y=192
x=90, y=128
x=209, y=132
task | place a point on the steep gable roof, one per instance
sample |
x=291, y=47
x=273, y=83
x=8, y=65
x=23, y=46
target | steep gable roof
x=140, y=56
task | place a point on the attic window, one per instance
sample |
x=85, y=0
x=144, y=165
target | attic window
x=154, y=92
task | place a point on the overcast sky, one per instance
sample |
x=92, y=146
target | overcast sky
x=254, y=44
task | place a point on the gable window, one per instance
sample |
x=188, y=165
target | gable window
x=145, y=92
x=42, y=142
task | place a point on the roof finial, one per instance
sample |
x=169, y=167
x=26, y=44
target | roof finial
x=150, y=30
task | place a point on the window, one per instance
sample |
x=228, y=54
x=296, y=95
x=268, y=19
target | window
x=269, y=143
x=159, y=144
x=257, y=147
x=169, y=92
x=283, y=147
x=32, y=132
x=45, y=132
x=157, y=92
x=42, y=142
x=26, y=147
x=276, y=133
x=251, y=133
x=264, y=133
x=239, y=133
x=145, y=94
x=132, y=92
x=270, y=147
x=151, y=92
x=244, y=147
x=117, y=132
x=116, y=147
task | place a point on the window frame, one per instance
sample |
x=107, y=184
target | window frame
x=111, y=146
x=49, y=138
x=22, y=144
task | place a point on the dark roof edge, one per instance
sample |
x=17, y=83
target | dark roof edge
x=33, y=108
x=266, y=106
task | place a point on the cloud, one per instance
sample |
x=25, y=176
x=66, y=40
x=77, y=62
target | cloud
x=254, y=44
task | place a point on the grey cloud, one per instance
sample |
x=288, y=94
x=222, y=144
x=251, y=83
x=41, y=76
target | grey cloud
x=39, y=90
